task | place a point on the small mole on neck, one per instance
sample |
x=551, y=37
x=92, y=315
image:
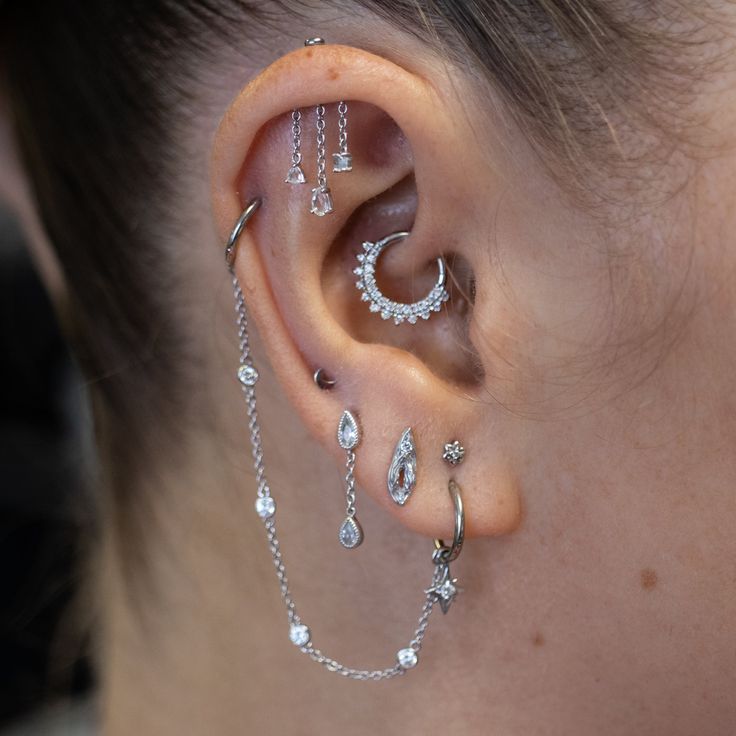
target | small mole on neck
x=648, y=579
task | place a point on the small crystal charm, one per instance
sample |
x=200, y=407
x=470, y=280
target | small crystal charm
x=265, y=507
x=351, y=533
x=454, y=453
x=299, y=635
x=407, y=658
x=402, y=473
x=445, y=589
x=247, y=375
x=348, y=434
x=295, y=175
x=342, y=161
x=321, y=204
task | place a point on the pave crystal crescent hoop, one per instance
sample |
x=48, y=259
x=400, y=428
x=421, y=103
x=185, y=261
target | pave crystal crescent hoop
x=443, y=587
x=388, y=308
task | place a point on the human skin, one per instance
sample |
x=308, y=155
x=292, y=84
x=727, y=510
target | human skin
x=590, y=382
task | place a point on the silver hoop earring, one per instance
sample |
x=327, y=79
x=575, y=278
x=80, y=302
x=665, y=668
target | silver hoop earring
x=388, y=308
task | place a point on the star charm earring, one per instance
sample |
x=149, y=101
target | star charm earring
x=445, y=588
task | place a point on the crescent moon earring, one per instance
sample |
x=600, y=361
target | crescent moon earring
x=388, y=308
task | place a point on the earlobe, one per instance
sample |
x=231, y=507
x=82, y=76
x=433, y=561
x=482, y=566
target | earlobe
x=303, y=279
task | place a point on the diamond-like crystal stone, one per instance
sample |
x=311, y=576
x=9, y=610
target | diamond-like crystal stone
x=447, y=590
x=342, y=162
x=299, y=635
x=295, y=175
x=407, y=658
x=321, y=202
x=247, y=375
x=350, y=534
x=265, y=507
x=348, y=434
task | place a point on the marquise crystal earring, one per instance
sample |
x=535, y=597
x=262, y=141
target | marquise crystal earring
x=402, y=472
x=343, y=159
x=443, y=586
x=388, y=308
x=350, y=533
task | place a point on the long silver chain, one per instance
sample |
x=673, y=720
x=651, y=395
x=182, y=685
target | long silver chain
x=296, y=135
x=342, y=124
x=350, y=484
x=266, y=508
x=321, y=152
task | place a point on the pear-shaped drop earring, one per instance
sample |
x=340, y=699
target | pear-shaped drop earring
x=348, y=437
x=295, y=175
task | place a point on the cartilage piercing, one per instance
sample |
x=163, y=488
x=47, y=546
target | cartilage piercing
x=343, y=159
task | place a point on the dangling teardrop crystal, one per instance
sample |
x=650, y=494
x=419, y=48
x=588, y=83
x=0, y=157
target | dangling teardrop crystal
x=348, y=434
x=402, y=473
x=321, y=202
x=351, y=533
x=295, y=175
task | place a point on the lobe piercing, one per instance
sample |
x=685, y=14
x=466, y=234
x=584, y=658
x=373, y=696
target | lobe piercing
x=402, y=473
x=388, y=308
x=350, y=533
x=454, y=453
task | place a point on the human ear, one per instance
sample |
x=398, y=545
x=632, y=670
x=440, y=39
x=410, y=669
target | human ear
x=411, y=173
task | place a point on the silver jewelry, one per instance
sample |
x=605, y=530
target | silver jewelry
x=388, y=308
x=316, y=41
x=295, y=175
x=444, y=587
x=343, y=159
x=323, y=381
x=402, y=473
x=454, y=453
x=299, y=633
x=321, y=203
x=348, y=437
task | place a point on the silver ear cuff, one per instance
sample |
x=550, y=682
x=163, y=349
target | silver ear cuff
x=443, y=587
x=388, y=308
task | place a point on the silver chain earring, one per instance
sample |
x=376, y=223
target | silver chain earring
x=388, y=308
x=348, y=437
x=321, y=204
x=299, y=633
x=343, y=159
x=295, y=175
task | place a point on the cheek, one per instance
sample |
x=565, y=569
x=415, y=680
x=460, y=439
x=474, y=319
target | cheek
x=571, y=313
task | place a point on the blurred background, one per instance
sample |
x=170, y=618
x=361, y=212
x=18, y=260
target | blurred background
x=46, y=674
